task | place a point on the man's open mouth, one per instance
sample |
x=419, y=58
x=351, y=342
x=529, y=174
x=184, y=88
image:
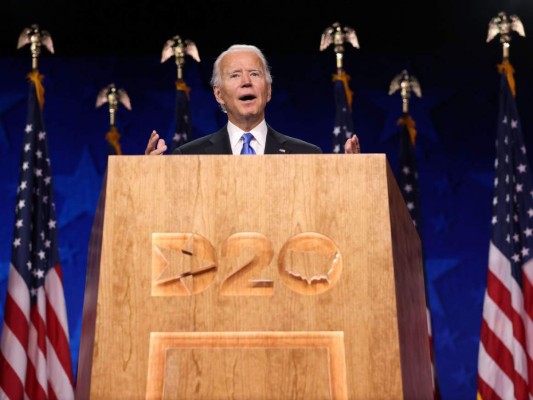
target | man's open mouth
x=247, y=98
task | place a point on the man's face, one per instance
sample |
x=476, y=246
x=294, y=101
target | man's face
x=244, y=89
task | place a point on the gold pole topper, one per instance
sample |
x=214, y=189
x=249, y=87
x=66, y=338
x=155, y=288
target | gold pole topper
x=179, y=48
x=110, y=94
x=338, y=35
x=36, y=38
x=503, y=25
x=406, y=84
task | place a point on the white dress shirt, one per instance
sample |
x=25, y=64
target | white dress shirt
x=257, y=143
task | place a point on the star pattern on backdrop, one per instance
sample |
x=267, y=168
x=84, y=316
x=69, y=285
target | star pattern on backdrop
x=80, y=190
x=68, y=253
x=440, y=224
x=477, y=294
x=436, y=268
x=75, y=327
x=7, y=102
x=442, y=185
x=463, y=375
x=4, y=271
x=421, y=111
x=486, y=179
x=440, y=175
x=446, y=338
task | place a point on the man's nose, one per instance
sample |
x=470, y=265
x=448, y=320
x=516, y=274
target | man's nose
x=246, y=80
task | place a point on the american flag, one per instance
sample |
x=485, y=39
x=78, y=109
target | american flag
x=505, y=369
x=343, y=128
x=35, y=360
x=407, y=173
x=183, y=127
x=408, y=183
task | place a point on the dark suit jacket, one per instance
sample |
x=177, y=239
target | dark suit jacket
x=218, y=143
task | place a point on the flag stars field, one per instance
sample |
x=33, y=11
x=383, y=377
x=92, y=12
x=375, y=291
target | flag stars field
x=343, y=126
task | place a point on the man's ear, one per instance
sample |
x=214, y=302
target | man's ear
x=216, y=92
x=269, y=92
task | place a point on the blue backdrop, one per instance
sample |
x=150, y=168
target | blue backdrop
x=456, y=123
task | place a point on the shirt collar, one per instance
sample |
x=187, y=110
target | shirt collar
x=259, y=132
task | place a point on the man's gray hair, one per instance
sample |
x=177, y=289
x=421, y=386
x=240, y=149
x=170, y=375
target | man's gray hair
x=216, y=79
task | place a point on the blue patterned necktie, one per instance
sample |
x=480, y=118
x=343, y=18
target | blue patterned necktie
x=246, y=148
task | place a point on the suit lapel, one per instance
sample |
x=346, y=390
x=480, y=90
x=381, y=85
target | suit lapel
x=219, y=143
x=274, y=142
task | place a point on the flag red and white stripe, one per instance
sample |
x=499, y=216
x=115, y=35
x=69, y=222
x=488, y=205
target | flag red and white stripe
x=35, y=360
x=505, y=369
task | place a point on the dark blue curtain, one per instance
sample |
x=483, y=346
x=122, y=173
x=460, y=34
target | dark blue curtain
x=456, y=124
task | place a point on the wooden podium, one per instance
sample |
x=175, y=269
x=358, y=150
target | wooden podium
x=266, y=277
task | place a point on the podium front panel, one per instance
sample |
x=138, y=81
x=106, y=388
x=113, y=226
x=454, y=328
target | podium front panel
x=266, y=277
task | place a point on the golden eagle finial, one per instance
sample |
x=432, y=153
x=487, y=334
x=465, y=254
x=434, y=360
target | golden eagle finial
x=36, y=38
x=406, y=84
x=179, y=48
x=504, y=25
x=338, y=35
x=110, y=94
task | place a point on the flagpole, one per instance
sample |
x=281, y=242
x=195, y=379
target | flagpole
x=406, y=84
x=178, y=48
x=337, y=35
x=114, y=97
